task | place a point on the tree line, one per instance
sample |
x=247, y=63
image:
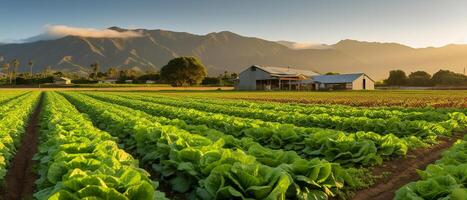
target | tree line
x=181, y=71
x=422, y=78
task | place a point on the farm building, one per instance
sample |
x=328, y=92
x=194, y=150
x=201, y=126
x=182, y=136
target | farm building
x=108, y=81
x=3, y=75
x=356, y=81
x=62, y=81
x=272, y=78
x=280, y=78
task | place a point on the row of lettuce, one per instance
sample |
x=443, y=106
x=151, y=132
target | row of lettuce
x=205, y=150
x=331, y=119
x=445, y=179
x=78, y=161
x=425, y=114
x=359, y=148
x=15, y=109
x=207, y=164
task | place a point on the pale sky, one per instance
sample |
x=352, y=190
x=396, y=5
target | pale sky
x=417, y=23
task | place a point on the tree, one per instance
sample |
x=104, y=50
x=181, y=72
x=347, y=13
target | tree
x=112, y=72
x=95, y=69
x=31, y=64
x=446, y=77
x=396, y=77
x=15, y=63
x=332, y=73
x=419, y=78
x=58, y=74
x=184, y=70
x=233, y=75
x=127, y=74
x=6, y=68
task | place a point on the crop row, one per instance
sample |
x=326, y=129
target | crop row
x=8, y=96
x=14, y=115
x=336, y=146
x=337, y=110
x=206, y=168
x=79, y=161
x=324, y=120
x=445, y=179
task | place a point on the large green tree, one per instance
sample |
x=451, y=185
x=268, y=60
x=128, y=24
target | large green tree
x=419, y=78
x=183, y=71
x=446, y=77
x=396, y=77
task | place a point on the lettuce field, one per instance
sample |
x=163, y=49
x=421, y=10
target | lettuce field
x=232, y=145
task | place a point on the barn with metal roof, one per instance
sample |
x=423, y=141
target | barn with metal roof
x=355, y=81
x=285, y=78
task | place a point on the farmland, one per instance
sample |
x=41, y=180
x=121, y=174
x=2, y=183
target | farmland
x=233, y=145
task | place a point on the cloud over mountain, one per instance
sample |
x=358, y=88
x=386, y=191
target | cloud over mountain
x=303, y=45
x=58, y=31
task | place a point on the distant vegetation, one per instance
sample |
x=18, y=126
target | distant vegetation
x=182, y=71
x=422, y=78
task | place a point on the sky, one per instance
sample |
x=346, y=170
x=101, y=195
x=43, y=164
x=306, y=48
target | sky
x=415, y=23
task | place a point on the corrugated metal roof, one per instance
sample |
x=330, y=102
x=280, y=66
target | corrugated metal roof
x=64, y=79
x=284, y=71
x=340, y=78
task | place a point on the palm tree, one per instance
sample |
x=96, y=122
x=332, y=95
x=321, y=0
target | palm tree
x=6, y=68
x=31, y=64
x=15, y=64
x=95, y=69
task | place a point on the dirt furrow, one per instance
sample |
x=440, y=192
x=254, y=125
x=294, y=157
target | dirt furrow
x=19, y=181
x=403, y=170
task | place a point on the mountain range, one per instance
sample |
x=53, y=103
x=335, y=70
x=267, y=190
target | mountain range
x=227, y=51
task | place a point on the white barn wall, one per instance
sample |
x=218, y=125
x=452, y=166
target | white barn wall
x=357, y=84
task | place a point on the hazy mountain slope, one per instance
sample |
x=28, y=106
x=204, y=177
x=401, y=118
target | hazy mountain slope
x=232, y=52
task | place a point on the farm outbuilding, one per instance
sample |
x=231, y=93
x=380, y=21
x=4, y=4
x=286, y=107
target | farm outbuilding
x=62, y=81
x=3, y=75
x=356, y=81
x=109, y=81
x=286, y=78
x=272, y=78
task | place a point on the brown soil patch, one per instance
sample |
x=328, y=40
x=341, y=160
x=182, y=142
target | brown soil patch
x=19, y=181
x=403, y=170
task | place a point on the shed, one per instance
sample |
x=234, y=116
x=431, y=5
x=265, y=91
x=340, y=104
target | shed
x=354, y=81
x=108, y=81
x=62, y=81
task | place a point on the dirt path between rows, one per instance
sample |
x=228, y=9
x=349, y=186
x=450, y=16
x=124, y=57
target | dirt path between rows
x=403, y=170
x=19, y=181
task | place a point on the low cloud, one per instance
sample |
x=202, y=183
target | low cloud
x=58, y=31
x=304, y=45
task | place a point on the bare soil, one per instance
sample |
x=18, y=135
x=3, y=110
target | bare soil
x=403, y=170
x=20, y=178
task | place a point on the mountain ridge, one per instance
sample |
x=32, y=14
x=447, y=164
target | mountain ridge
x=228, y=51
